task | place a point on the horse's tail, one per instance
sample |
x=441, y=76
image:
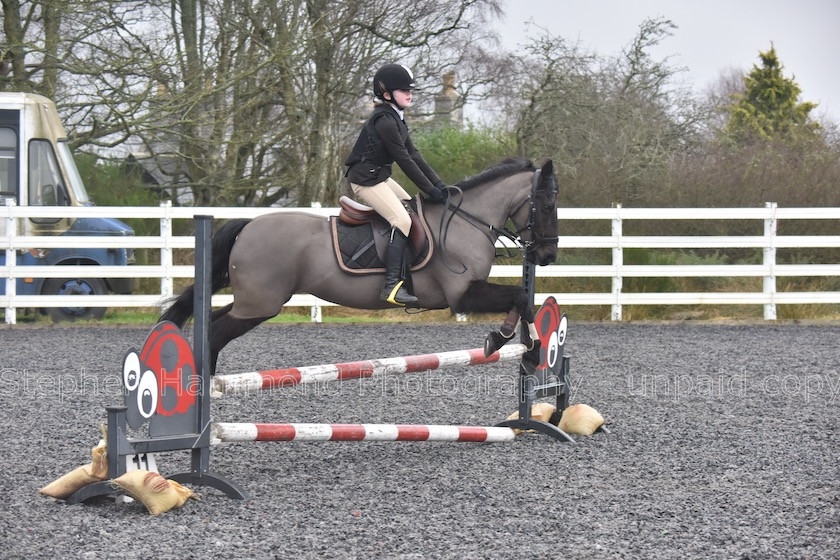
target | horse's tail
x=181, y=308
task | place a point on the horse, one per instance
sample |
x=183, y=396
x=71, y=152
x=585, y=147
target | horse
x=267, y=259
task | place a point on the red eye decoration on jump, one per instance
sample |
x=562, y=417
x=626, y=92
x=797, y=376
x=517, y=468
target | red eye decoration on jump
x=552, y=327
x=161, y=379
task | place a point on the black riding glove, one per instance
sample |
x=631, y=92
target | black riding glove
x=437, y=194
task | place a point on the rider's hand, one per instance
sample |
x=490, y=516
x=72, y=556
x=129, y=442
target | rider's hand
x=437, y=195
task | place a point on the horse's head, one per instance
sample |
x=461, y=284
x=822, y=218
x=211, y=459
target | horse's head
x=539, y=234
x=531, y=206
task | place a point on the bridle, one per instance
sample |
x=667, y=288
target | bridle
x=490, y=231
x=536, y=239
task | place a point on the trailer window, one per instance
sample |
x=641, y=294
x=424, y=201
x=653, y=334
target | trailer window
x=8, y=164
x=46, y=187
x=72, y=172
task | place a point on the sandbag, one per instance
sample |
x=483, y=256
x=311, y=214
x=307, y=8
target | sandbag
x=66, y=485
x=580, y=419
x=539, y=411
x=158, y=494
x=95, y=471
x=99, y=461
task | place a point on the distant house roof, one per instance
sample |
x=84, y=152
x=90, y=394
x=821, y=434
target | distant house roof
x=161, y=170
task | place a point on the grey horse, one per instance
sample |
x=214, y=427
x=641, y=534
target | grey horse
x=268, y=259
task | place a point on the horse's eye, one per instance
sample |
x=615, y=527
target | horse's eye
x=548, y=208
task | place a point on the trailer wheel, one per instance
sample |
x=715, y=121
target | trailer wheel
x=74, y=286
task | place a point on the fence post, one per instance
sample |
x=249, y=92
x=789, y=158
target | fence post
x=315, y=314
x=315, y=310
x=11, y=261
x=617, y=262
x=166, y=281
x=770, y=226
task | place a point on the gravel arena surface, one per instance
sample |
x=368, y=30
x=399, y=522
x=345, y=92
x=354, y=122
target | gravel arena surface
x=724, y=444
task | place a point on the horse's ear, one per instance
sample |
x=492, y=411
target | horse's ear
x=547, y=168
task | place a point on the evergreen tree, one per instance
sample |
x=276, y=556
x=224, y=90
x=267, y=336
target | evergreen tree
x=768, y=108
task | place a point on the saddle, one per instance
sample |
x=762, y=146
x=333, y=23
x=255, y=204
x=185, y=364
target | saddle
x=360, y=237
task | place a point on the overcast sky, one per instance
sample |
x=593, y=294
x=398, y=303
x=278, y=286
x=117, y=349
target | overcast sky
x=712, y=36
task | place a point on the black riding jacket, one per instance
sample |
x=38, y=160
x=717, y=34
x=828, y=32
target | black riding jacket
x=385, y=139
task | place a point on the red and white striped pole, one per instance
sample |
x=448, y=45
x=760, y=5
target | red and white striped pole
x=241, y=432
x=268, y=379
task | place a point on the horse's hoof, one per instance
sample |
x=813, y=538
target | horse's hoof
x=493, y=342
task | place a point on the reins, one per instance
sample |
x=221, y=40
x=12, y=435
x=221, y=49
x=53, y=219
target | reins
x=489, y=230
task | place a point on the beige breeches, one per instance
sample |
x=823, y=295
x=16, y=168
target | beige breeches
x=386, y=198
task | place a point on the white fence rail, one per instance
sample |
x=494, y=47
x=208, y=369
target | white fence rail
x=167, y=272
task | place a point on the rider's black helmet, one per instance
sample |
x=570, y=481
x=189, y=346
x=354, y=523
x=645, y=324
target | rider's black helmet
x=391, y=77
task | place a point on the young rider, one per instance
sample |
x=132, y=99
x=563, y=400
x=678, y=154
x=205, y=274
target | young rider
x=384, y=140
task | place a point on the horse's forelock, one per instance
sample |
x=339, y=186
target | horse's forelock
x=503, y=169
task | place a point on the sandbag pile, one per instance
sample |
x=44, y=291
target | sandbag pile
x=580, y=419
x=158, y=494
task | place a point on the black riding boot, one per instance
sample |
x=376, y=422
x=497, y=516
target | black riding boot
x=393, y=290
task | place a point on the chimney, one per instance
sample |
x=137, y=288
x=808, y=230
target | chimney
x=446, y=101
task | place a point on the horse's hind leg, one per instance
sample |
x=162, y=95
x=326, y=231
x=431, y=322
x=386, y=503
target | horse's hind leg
x=225, y=328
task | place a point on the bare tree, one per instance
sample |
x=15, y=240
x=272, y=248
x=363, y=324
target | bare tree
x=719, y=96
x=612, y=125
x=252, y=101
x=35, y=39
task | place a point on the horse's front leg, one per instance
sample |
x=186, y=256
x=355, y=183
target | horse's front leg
x=484, y=297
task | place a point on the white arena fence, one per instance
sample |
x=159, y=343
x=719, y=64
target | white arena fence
x=616, y=270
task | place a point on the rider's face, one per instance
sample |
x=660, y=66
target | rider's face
x=402, y=97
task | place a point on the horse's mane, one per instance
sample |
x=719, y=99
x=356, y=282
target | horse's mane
x=505, y=168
